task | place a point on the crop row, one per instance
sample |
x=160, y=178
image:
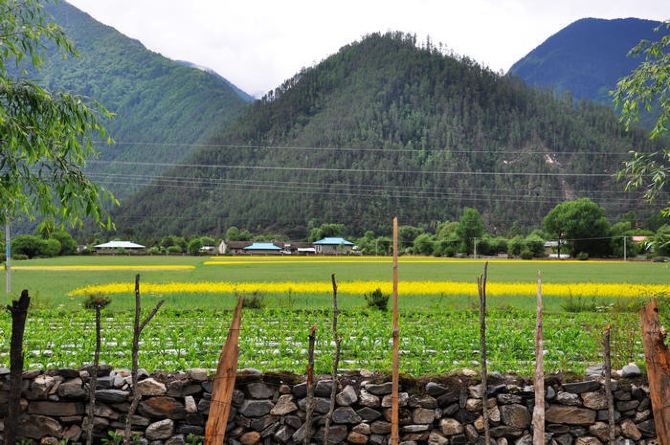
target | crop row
x=274, y=339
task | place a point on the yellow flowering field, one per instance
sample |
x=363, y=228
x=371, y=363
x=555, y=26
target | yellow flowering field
x=89, y=267
x=463, y=288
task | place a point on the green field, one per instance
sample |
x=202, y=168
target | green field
x=439, y=331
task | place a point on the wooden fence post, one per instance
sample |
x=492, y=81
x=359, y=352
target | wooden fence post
x=608, y=384
x=538, y=411
x=395, y=436
x=657, y=356
x=481, y=287
x=19, y=311
x=224, y=382
x=309, y=407
x=336, y=360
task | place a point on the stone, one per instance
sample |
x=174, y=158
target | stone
x=260, y=391
x=284, y=406
x=435, y=438
x=570, y=415
x=111, y=395
x=403, y=398
x=346, y=415
x=357, y=438
x=161, y=430
x=323, y=388
x=162, y=406
x=435, y=389
x=588, y=440
x=647, y=428
x=600, y=430
x=568, y=398
x=37, y=426
x=514, y=415
x=549, y=393
x=347, y=396
x=176, y=440
x=189, y=404
x=627, y=405
x=377, y=439
x=423, y=416
x=451, y=427
x=449, y=398
x=368, y=399
x=629, y=430
x=362, y=428
x=507, y=399
x=595, y=371
x=250, y=438
x=73, y=433
x=380, y=427
x=72, y=389
x=563, y=439
x=42, y=384
x=262, y=423
x=197, y=374
x=56, y=408
x=300, y=390
x=415, y=428
x=151, y=387
x=336, y=433
x=321, y=405
x=580, y=387
x=594, y=400
x=471, y=433
x=505, y=431
x=283, y=434
x=380, y=389
x=476, y=391
x=255, y=408
x=630, y=370
x=369, y=414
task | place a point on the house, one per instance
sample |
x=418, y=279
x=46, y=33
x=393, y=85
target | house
x=232, y=247
x=262, y=249
x=117, y=246
x=551, y=250
x=333, y=246
x=298, y=248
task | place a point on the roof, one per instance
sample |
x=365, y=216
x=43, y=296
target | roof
x=262, y=246
x=238, y=244
x=119, y=245
x=333, y=242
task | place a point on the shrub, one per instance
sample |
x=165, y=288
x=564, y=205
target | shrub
x=535, y=244
x=20, y=257
x=68, y=245
x=579, y=304
x=174, y=250
x=194, y=246
x=582, y=256
x=155, y=250
x=377, y=299
x=51, y=248
x=254, y=301
x=515, y=246
x=28, y=245
x=526, y=254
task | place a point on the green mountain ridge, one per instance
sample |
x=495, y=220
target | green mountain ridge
x=386, y=128
x=163, y=108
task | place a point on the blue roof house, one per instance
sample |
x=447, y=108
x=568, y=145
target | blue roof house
x=262, y=249
x=333, y=246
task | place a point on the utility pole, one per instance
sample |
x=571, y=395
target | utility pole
x=624, y=248
x=8, y=251
x=475, y=252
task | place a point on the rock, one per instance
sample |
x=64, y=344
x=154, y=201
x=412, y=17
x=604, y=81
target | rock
x=347, y=396
x=629, y=430
x=250, y=438
x=189, y=404
x=176, y=440
x=423, y=416
x=595, y=371
x=260, y=391
x=403, y=398
x=283, y=434
x=476, y=391
x=111, y=395
x=284, y=406
x=368, y=399
x=415, y=428
x=323, y=388
x=549, y=393
x=42, y=384
x=163, y=429
x=516, y=416
x=507, y=399
x=300, y=390
x=380, y=427
x=197, y=374
x=580, y=387
x=451, y=427
x=600, y=430
x=595, y=400
x=362, y=428
x=346, y=415
x=321, y=405
x=151, y=387
x=72, y=389
x=570, y=415
x=36, y=427
x=336, y=433
x=435, y=389
x=56, y=408
x=381, y=389
x=369, y=414
x=377, y=439
x=647, y=428
x=73, y=433
x=630, y=370
x=471, y=433
x=357, y=438
x=568, y=398
x=436, y=438
x=255, y=408
x=162, y=406
x=627, y=405
x=588, y=440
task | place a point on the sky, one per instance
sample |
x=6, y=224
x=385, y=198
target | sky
x=257, y=44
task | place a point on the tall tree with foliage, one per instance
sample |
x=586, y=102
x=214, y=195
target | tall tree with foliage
x=582, y=223
x=470, y=226
x=648, y=88
x=45, y=137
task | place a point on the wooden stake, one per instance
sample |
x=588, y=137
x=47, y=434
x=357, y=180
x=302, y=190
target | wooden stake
x=19, y=311
x=657, y=356
x=336, y=361
x=224, y=382
x=396, y=341
x=538, y=412
x=309, y=408
x=481, y=286
x=137, y=331
x=608, y=385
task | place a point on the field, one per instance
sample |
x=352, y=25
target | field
x=439, y=324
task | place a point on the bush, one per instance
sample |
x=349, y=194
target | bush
x=68, y=246
x=174, y=250
x=377, y=299
x=526, y=254
x=155, y=250
x=515, y=246
x=582, y=256
x=255, y=301
x=535, y=244
x=194, y=246
x=20, y=257
x=579, y=304
x=28, y=245
x=51, y=248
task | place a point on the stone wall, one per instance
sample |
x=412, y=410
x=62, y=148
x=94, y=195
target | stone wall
x=270, y=409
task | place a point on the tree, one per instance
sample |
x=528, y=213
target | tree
x=582, y=223
x=646, y=88
x=45, y=137
x=326, y=231
x=424, y=244
x=470, y=226
x=407, y=235
x=68, y=245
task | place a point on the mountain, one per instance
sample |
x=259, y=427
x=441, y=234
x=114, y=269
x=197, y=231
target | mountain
x=386, y=128
x=586, y=57
x=163, y=108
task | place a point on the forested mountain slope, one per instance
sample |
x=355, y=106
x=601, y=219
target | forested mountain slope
x=162, y=106
x=385, y=128
x=586, y=57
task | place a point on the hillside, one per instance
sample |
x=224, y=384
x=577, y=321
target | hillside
x=384, y=128
x=586, y=57
x=161, y=105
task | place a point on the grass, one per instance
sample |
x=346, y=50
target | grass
x=439, y=332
